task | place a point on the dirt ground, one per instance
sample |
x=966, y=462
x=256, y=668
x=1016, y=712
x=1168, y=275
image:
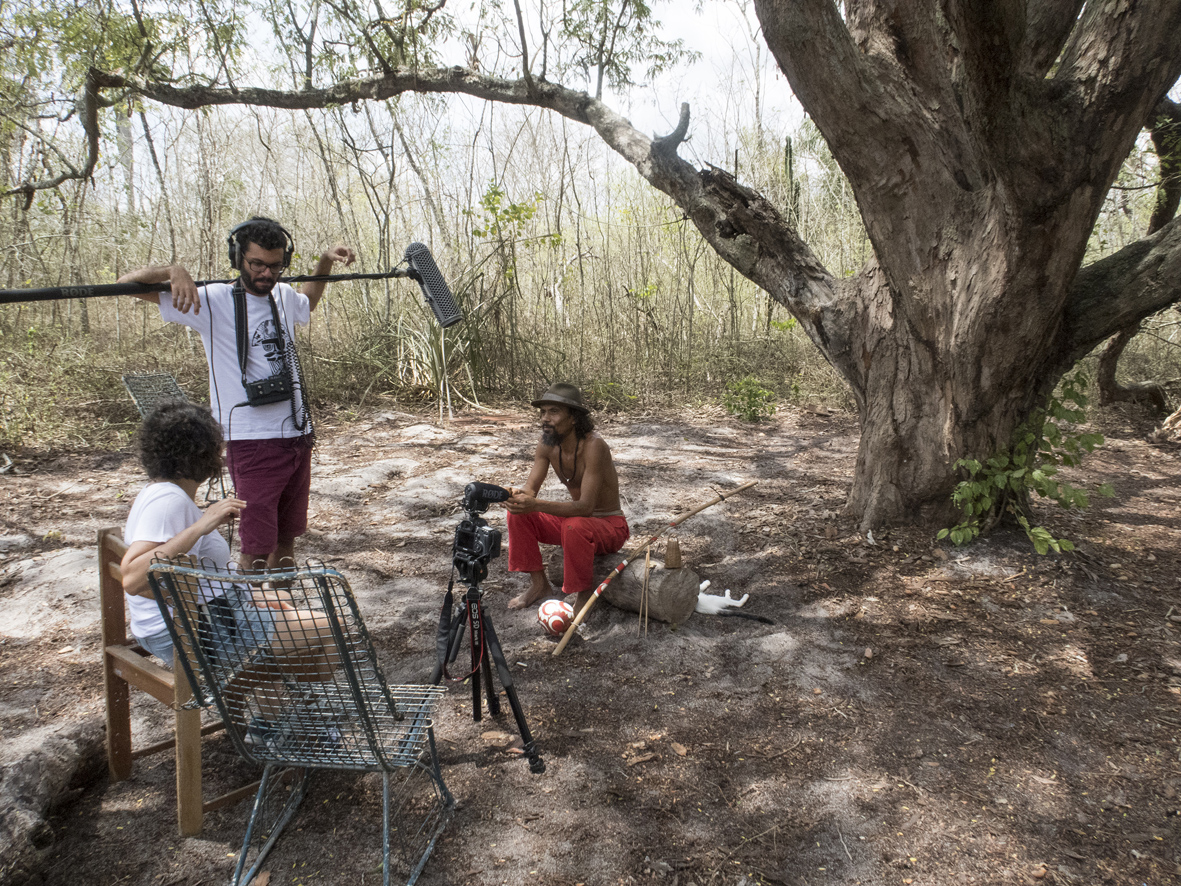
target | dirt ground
x=914, y=715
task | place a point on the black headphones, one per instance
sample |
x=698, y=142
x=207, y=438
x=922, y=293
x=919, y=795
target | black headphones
x=236, y=247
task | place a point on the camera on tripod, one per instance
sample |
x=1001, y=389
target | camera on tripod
x=475, y=541
x=475, y=544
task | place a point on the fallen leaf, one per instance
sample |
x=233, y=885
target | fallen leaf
x=642, y=759
x=679, y=749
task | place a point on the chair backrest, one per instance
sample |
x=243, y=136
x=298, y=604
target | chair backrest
x=148, y=389
x=296, y=679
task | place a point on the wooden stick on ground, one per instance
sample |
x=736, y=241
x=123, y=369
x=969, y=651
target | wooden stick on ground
x=644, y=590
x=635, y=552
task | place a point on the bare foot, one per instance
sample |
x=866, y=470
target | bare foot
x=539, y=589
x=528, y=598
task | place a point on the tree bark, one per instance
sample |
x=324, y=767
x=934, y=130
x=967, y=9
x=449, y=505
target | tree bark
x=1164, y=125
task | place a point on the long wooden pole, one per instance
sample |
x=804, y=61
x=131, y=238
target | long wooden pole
x=634, y=552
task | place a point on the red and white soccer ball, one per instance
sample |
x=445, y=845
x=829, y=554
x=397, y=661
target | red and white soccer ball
x=555, y=616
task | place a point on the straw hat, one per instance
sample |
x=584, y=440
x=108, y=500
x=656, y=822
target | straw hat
x=563, y=395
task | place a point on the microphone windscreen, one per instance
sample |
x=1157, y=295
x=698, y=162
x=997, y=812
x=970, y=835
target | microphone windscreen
x=486, y=492
x=434, y=287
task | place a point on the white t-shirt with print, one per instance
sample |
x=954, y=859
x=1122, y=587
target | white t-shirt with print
x=161, y=511
x=216, y=326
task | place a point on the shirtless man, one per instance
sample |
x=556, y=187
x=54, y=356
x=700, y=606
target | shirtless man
x=590, y=523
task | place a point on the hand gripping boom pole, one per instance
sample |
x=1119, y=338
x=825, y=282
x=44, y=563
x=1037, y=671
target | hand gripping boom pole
x=635, y=552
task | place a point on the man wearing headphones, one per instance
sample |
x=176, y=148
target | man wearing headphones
x=255, y=384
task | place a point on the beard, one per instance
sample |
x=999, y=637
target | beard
x=257, y=286
x=549, y=437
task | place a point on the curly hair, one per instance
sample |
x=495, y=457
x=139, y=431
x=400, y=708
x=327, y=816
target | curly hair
x=583, y=424
x=180, y=440
x=266, y=232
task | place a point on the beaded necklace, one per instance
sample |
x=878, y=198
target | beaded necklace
x=561, y=468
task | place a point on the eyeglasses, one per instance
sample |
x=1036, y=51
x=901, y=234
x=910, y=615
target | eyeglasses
x=258, y=267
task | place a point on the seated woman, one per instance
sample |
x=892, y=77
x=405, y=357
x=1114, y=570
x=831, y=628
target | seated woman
x=181, y=447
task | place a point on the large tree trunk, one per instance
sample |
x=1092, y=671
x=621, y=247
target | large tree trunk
x=979, y=174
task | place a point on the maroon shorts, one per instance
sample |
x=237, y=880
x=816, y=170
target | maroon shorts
x=273, y=477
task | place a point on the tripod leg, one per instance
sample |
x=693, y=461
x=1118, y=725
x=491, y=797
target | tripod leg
x=493, y=698
x=536, y=764
x=478, y=644
x=454, y=638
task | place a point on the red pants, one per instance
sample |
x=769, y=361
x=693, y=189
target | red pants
x=580, y=537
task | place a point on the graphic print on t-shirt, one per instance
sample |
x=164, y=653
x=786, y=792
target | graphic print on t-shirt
x=265, y=335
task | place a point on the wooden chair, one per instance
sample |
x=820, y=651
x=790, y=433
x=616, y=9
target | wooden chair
x=300, y=690
x=126, y=664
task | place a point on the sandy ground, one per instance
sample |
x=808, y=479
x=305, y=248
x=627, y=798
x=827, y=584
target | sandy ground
x=913, y=715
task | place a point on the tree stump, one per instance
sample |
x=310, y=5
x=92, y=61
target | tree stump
x=672, y=593
x=604, y=563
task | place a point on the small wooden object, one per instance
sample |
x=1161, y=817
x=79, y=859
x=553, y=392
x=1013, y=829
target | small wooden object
x=672, y=554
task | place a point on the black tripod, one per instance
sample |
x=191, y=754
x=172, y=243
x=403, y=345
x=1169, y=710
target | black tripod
x=475, y=544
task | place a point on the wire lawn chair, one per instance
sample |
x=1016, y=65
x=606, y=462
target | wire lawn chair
x=150, y=388
x=299, y=689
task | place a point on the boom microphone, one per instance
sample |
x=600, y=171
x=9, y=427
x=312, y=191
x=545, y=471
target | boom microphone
x=434, y=287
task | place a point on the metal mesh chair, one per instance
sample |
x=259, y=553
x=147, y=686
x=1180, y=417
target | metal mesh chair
x=149, y=388
x=299, y=689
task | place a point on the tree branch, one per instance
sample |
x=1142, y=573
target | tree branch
x=668, y=144
x=1113, y=52
x=845, y=91
x=87, y=109
x=1119, y=291
x=525, y=75
x=742, y=225
x=1048, y=25
x=1165, y=127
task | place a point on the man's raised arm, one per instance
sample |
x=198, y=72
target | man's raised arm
x=338, y=253
x=184, y=290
